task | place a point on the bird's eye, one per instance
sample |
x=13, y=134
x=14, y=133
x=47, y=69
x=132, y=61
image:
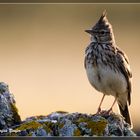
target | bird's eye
x=102, y=32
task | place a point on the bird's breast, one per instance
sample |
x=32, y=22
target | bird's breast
x=106, y=80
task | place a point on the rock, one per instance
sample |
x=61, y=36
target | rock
x=74, y=124
x=8, y=112
x=68, y=128
x=41, y=132
x=58, y=123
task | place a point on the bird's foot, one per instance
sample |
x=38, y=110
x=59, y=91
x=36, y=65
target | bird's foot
x=109, y=111
x=98, y=111
x=104, y=112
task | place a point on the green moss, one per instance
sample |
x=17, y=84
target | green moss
x=77, y=132
x=40, y=117
x=17, y=119
x=47, y=126
x=97, y=128
x=62, y=112
x=30, y=134
x=60, y=125
x=14, y=108
x=11, y=134
x=29, y=125
x=83, y=120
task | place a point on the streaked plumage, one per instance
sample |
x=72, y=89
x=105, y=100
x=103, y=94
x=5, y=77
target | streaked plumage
x=107, y=67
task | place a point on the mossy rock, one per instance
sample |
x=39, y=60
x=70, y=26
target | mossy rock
x=48, y=126
x=16, y=116
x=29, y=125
x=97, y=127
x=62, y=112
x=77, y=132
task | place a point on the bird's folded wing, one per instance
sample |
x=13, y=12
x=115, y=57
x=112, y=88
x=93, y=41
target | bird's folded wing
x=123, y=64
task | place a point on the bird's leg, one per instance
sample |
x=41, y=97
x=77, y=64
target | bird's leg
x=99, y=108
x=112, y=105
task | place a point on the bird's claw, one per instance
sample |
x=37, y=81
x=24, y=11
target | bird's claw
x=98, y=111
x=109, y=111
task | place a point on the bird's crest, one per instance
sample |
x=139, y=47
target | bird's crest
x=103, y=16
x=104, y=13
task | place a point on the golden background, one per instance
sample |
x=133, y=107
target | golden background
x=42, y=52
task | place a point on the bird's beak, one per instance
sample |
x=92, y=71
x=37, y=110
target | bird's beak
x=89, y=31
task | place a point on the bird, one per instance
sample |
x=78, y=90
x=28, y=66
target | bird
x=107, y=67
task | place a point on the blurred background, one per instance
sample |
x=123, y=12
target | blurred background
x=42, y=54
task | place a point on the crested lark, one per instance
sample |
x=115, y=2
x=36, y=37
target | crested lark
x=107, y=67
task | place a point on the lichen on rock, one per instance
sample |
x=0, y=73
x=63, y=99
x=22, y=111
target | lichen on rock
x=8, y=112
x=59, y=123
x=74, y=124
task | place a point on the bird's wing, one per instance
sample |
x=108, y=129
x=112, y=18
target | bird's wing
x=123, y=64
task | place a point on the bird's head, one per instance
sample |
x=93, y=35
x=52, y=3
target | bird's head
x=102, y=31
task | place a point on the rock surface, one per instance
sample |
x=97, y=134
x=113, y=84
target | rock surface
x=8, y=112
x=58, y=123
x=74, y=124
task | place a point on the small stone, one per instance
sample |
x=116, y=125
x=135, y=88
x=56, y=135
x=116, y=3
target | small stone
x=23, y=133
x=41, y=132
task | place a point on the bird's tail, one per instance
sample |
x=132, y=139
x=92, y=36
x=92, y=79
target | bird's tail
x=125, y=113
